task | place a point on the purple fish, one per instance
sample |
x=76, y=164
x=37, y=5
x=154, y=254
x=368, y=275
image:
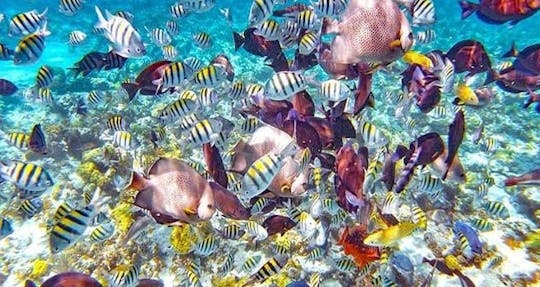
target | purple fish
x=469, y=56
x=278, y=224
x=144, y=83
x=67, y=279
x=214, y=164
x=455, y=137
x=530, y=178
x=225, y=62
x=7, y=88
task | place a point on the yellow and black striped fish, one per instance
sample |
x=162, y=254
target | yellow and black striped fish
x=345, y=265
x=207, y=246
x=308, y=43
x=260, y=174
x=61, y=211
x=271, y=267
x=205, y=131
x=94, y=98
x=18, y=139
x=177, y=10
x=269, y=29
x=31, y=207
x=250, y=263
x=177, y=109
x=116, y=123
x=232, y=231
x=249, y=125
x=102, y=232
x=306, y=19
x=210, y=76
x=123, y=140
x=44, y=77
x=284, y=84
x=5, y=52
x=70, y=228
x=30, y=48
x=70, y=7
x=202, y=40
x=27, y=22
x=175, y=74
x=169, y=52
x=26, y=176
x=125, y=275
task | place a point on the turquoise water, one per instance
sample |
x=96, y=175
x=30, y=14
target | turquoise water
x=82, y=159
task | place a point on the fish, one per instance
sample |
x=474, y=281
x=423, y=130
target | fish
x=269, y=29
x=260, y=11
x=27, y=22
x=70, y=7
x=496, y=208
x=271, y=267
x=67, y=230
x=67, y=279
x=93, y=61
x=426, y=36
x=116, y=123
x=408, y=171
x=7, y=88
x=250, y=263
x=258, y=45
x=283, y=85
x=210, y=76
x=533, y=98
x=31, y=207
x=345, y=265
x=255, y=230
x=120, y=32
x=499, y=11
x=150, y=283
x=470, y=234
x=308, y=43
x=469, y=56
x=306, y=19
x=481, y=224
x=26, y=176
x=159, y=37
x=172, y=28
x=207, y=246
x=102, y=232
x=76, y=38
x=5, y=53
x=232, y=231
x=227, y=265
x=154, y=193
x=455, y=138
x=5, y=227
x=330, y=8
x=17, y=139
x=416, y=58
x=169, y=52
x=113, y=61
x=530, y=178
x=124, y=275
x=423, y=12
x=278, y=224
x=177, y=10
x=205, y=131
x=202, y=40
x=44, y=77
x=30, y=48
x=224, y=61
x=36, y=141
x=144, y=83
x=391, y=235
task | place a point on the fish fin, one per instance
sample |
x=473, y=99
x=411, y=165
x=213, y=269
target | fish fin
x=468, y=8
x=458, y=102
x=44, y=12
x=131, y=89
x=395, y=44
x=239, y=40
x=513, y=52
x=492, y=76
x=137, y=182
x=101, y=24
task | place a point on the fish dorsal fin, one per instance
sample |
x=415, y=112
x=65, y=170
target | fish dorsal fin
x=164, y=165
x=143, y=199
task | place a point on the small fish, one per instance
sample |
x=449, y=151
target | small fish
x=308, y=43
x=307, y=224
x=371, y=135
x=429, y=184
x=31, y=207
x=207, y=246
x=37, y=142
x=455, y=138
x=495, y=262
x=390, y=204
x=330, y=8
x=17, y=139
x=102, y=232
x=205, y=131
x=275, y=224
x=178, y=109
x=465, y=95
x=210, y=76
x=188, y=121
x=124, y=275
x=271, y=267
x=70, y=7
x=413, y=57
x=5, y=228
x=423, y=12
x=488, y=145
x=192, y=279
x=282, y=247
x=496, y=208
x=157, y=134
x=66, y=231
x=250, y=263
x=306, y=19
x=94, y=98
x=530, y=178
x=172, y=28
x=470, y=234
x=177, y=10
x=61, y=211
x=202, y=40
x=76, y=38
x=232, y=231
x=159, y=37
x=285, y=84
x=237, y=90
x=419, y=217
x=260, y=174
x=44, y=77
x=116, y=123
x=169, y=52
x=227, y=264
x=260, y=11
x=26, y=176
x=256, y=231
x=481, y=191
x=31, y=47
x=259, y=205
x=194, y=63
x=426, y=36
x=345, y=265
x=481, y=224
x=120, y=32
x=207, y=98
x=123, y=139
x=315, y=253
x=478, y=133
x=269, y=29
x=93, y=61
x=390, y=235
x=334, y=90
x=27, y=22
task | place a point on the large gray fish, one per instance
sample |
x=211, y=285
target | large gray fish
x=373, y=31
x=174, y=192
x=127, y=40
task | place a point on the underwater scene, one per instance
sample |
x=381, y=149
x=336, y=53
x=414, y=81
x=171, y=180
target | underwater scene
x=269, y=143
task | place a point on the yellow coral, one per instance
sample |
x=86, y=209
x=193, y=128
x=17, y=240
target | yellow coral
x=39, y=268
x=228, y=281
x=452, y=262
x=533, y=242
x=182, y=238
x=281, y=279
x=89, y=172
x=122, y=217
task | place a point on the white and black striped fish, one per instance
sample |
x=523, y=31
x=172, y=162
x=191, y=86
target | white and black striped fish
x=159, y=36
x=255, y=230
x=202, y=39
x=284, y=85
x=124, y=140
x=67, y=230
x=194, y=63
x=208, y=97
x=26, y=176
x=423, y=12
x=75, y=38
x=306, y=19
x=260, y=11
x=127, y=41
x=27, y=22
x=124, y=276
x=116, y=123
x=94, y=98
x=102, y=232
x=205, y=131
x=178, y=109
x=207, y=246
x=175, y=74
x=250, y=263
x=426, y=36
x=237, y=90
x=308, y=43
x=177, y=10
x=269, y=29
x=260, y=174
x=172, y=27
x=188, y=121
x=232, y=231
x=31, y=207
x=330, y=8
x=70, y=7
x=228, y=264
x=169, y=52
x=210, y=76
x=334, y=90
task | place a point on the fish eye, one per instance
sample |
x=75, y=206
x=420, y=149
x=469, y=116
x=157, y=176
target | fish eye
x=138, y=50
x=285, y=188
x=411, y=36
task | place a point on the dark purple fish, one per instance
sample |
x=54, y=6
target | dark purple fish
x=303, y=103
x=408, y=171
x=37, y=142
x=515, y=79
x=304, y=62
x=224, y=61
x=67, y=279
x=214, y=164
x=529, y=58
x=432, y=147
x=144, y=83
x=424, y=85
x=229, y=204
x=305, y=134
x=113, y=61
x=292, y=10
x=150, y=283
x=530, y=178
x=93, y=61
x=455, y=138
x=389, y=167
x=7, y=88
x=257, y=45
x=324, y=130
x=469, y=56
x=278, y=224
x=500, y=11
x=442, y=267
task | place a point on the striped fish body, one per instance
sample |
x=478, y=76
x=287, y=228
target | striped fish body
x=315, y=253
x=76, y=38
x=192, y=279
x=254, y=90
x=260, y=11
x=271, y=267
x=177, y=10
x=27, y=23
x=5, y=53
x=496, y=208
x=481, y=224
x=426, y=37
x=116, y=123
x=94, y=98
x=207, y=97
x=423, y=12
x=232, y=231
x=44, y=77
x=250, y=263
x=429, y=184
x=256, y=230
x=419, y=217
x=160, y=37
x=127, y=41
x=371, y=135
x=210, y=76
x=260, y=174
x=345, y=265
x=61, y=211
x=123, y=139
x=259, y=205
x=70, y=7
x=169, y=52
x=19, y=140
x=308, y=43
x=5, y=228
x=199, y=6
x=124, y=276
x=334, y=90
x=194, y=63
x=330, y=8
x=44, y=96
x=31, y=207
x=102, y=232
x=70, y=228
x=175, y=74
x=249, y=125
x=205, y=131
x=202, y=40
x=228, y=264
x=26, y=176
x=172, y=28
x=188, y=121
x=30, y=48
x=284, y=85
x=269, y=29
x=306, y=19
x=178, y=109
x=207, y=246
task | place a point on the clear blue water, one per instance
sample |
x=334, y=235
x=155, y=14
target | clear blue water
x=71, y=137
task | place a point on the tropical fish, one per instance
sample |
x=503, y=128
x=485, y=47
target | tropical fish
x=7, y=88
x=124, y=275
x=271, y=267
x=469, y=56
x=27, y=22
x=26, y=176
x=390, y=236
x=5, y=228
x=531, y=178
x=470, y=234
x=31, y=207
x=455, y=137
x=159, y=36
x=67, y=279
x=278, y=224
x=30, y=47
x=145, y=81
x=102, y=232
x=499, y=11
x=70, y=7
x=120, y=32
x=75, y=38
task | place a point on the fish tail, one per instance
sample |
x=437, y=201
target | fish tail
x=532, y=98
x=131, y=89
x=468, y=8
x=238, y=40
x=513, y=52
x=137, y=182
x=491, y=77
x=42, y=15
